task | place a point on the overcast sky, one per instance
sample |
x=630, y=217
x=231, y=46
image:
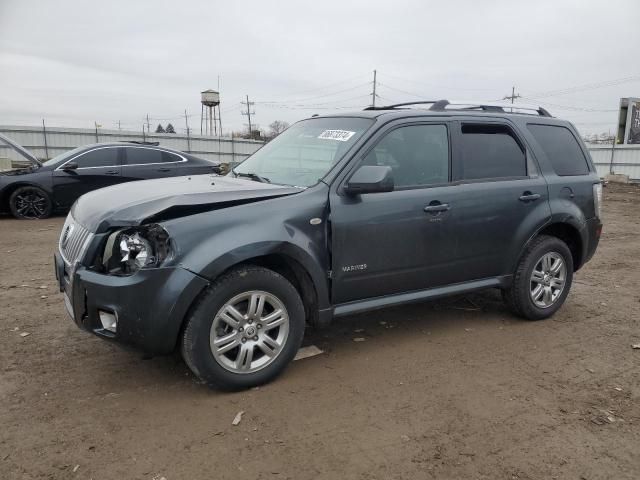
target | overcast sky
x=74, y=62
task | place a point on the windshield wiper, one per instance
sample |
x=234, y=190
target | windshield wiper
x=252, y=176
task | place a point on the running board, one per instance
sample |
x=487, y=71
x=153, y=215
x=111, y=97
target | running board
x=418, y=296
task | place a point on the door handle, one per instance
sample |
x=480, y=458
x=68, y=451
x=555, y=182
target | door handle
x=111, y=172
x=438, y=207
x=529, y=197
x=164, y=169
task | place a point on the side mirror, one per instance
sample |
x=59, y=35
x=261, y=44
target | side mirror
x=70, y=166
x=220, y=169
x=370, y=179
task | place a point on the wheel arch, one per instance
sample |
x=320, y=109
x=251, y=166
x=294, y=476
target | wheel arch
x=297, y=266
x=571, y=233
x=5, y=193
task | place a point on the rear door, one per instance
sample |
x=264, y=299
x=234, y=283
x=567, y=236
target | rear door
x=141, y=163
x=399, y=241
x=501, y=198
x=97, y=168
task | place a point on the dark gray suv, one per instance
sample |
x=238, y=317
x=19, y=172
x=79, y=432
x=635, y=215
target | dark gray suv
x=337, y=215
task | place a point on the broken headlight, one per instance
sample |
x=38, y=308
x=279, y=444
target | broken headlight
x=130, y=249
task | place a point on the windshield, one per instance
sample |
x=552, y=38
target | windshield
x=305, y=152
x=63, y=156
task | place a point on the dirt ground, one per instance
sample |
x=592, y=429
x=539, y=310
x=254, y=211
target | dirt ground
x=447, y=390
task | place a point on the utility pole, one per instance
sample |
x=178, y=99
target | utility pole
x=96, y=125
x=513, y=95
x=148, y=124
x=186, y=122
x=46, y=147
x=119, y=125
x=248, y=113
x=373, y=94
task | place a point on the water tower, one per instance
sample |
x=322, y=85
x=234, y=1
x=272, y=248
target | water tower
x=210, y=100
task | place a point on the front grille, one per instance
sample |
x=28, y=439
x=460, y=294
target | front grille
x=73, y=240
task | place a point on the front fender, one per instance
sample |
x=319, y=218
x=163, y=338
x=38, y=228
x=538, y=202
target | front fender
x=212, y=242
x=311, y=262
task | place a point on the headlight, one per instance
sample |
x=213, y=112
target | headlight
x=130, y=249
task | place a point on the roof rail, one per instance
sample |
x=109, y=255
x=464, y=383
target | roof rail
x=139, y=142
x=391, y=107
x=441, y=105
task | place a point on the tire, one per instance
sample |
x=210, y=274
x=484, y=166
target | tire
x=243, y=328
x=523, y=297
x=29, y=203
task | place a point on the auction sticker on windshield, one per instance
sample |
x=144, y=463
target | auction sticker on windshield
x=340, y=135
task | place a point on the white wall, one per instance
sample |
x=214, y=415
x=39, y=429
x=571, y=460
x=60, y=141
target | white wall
x=623, y=159
x=59, y=140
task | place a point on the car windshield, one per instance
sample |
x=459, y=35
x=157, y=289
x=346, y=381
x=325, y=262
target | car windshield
x=305, y=152
x=63, y=156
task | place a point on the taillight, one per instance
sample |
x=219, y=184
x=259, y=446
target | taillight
x=597, y=199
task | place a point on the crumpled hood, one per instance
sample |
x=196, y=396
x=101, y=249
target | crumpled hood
x=139, y=202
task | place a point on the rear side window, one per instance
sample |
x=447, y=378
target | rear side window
x=102, y=157
x=142, y=156
x=489, y=152
x=561, y=148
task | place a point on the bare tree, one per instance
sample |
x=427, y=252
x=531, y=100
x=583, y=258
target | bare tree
x=276, y=128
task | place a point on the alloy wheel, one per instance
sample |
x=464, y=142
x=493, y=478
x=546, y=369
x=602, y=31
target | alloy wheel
x=249, y=332
x=30, y=204
x=548, y=280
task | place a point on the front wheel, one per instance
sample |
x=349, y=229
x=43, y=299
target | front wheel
x=29, y=203
x=244, y=330
x=542, y=279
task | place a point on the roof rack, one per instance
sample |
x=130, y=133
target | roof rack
x=441, y=105
x=139, y=142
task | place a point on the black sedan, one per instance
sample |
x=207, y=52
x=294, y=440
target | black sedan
x=41, y=189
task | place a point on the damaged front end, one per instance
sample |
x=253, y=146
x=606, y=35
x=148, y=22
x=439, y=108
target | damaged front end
x=128, y=250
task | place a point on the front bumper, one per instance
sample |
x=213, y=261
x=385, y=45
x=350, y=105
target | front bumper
x=150, y=305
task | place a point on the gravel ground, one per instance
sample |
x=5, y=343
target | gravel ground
x=452, y=389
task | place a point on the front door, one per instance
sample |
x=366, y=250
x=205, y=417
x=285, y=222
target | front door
x=97, y=168
x=398, y=241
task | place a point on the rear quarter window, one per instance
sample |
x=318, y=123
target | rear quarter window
x=561, y=148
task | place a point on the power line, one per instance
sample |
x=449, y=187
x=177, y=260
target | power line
x=585, y=87
x=423, y=83
x=331, y=85
x=317, y=96
x=402, y=91
x=570, y=107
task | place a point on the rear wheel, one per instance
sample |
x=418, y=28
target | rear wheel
x=542, y=279
x=29, y=203
x=245, y=329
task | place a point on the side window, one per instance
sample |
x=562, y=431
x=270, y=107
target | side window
x=170, y=157
x=490, y=151
x=561, y=148
x=102, y=157
x=417, y=154
x=142, y=156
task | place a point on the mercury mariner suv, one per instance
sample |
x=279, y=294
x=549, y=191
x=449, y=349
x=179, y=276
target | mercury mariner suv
x=337, y=215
